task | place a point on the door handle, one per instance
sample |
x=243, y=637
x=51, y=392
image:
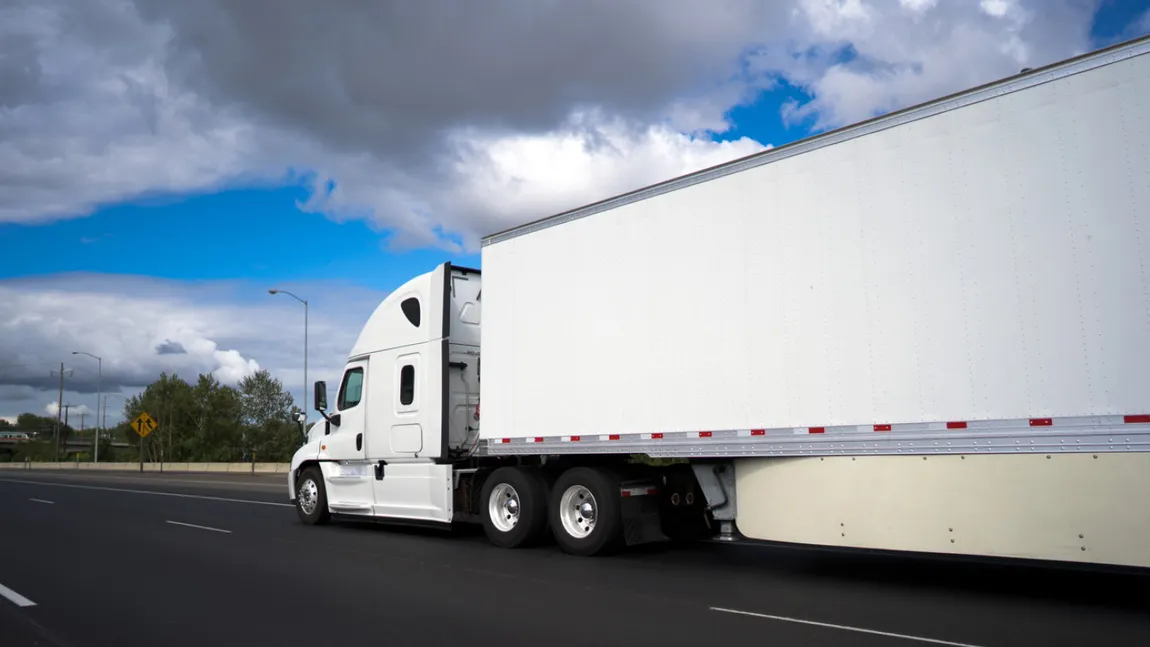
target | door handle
x=358, y=441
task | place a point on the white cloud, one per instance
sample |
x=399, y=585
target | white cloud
x=902, y=53
x=996, y=8
x=531, y=110
x=96, y=119
x=74, y=412
x=143, y=327
x=918, y=6
x=529, y=175
x=837, y=18
x=133, y=327
x=494, y=180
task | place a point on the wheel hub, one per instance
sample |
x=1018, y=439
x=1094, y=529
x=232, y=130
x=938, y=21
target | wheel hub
x=587, y=511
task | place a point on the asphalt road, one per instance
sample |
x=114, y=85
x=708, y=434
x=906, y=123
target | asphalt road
x=170, y=560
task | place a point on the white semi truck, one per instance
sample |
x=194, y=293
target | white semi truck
x=925, y=332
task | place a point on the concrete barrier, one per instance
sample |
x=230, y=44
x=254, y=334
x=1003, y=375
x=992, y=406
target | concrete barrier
x=230, y=468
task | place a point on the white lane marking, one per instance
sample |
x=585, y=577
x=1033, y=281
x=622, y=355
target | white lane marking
x=42, y=501
x=153, y=492
x=932, y=641
x=15, y=597
x=160, y=480
x=192, y=525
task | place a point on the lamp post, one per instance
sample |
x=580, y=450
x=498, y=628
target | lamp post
x=304, y=302
x=99, y=397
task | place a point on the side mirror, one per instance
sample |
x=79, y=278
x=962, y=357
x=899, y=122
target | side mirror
x=321, y=396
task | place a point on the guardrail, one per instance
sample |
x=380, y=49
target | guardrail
x=231, y=468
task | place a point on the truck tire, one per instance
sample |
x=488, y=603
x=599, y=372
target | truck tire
x=514, y=507
x=585, y=511
x=311, y=497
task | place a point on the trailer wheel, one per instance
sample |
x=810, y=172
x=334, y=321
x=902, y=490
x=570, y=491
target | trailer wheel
x=514, y=507
x=585, y=512
x=311, y=497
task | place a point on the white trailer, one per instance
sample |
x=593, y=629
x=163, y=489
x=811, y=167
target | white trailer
x=925, y=332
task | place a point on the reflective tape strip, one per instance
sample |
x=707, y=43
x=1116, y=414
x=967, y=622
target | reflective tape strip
x=1020, y=425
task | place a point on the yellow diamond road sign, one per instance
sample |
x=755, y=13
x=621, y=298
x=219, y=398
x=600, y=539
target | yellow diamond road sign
x=144, y=424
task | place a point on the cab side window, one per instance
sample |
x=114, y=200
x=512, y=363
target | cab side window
x=351, y=390
x=407, y=385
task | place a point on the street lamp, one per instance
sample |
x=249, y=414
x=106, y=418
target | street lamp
x=304, y=302
x=99, y=396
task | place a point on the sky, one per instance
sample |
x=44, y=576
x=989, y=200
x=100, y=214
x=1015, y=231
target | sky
x=164, y=163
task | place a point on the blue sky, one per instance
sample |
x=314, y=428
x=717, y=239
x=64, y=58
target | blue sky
x=193, y=220
x=254, y=234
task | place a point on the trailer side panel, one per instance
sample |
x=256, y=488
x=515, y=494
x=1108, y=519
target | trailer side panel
x=984, y=262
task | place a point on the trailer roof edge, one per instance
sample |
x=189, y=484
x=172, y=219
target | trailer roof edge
x=1030, y=78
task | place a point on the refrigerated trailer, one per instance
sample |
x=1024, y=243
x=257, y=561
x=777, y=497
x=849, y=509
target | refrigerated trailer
x=925, y=332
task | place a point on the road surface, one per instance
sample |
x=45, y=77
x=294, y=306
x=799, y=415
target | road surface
x=149, y=559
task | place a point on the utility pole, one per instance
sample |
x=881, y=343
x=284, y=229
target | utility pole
x=59, y=412
x=65, y=434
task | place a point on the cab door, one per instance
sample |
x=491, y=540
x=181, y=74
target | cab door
x=408, y=406
x=346, y=469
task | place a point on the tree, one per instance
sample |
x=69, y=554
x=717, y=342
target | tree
x=267, y=414
x=216, y=418
x=204, y=422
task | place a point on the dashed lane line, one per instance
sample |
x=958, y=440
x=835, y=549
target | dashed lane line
x=15, y=597
x=198, y=527
x=931, y=641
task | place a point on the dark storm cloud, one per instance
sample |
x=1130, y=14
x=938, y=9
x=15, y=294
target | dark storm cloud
x=389, y=77
x=170, y=347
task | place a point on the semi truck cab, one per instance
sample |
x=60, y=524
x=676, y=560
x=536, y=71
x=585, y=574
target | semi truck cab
x=405, y=409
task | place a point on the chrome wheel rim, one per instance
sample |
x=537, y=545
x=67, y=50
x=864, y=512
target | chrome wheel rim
x=308, y=496
x=503, y=507
x=578, y=511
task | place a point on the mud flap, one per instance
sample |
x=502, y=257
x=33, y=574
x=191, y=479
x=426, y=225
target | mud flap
x=641, y=522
